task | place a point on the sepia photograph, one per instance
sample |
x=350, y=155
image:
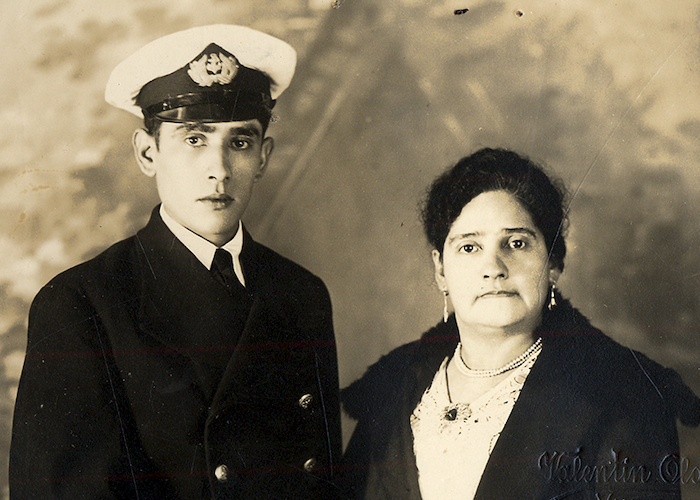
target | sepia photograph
x=350, y=249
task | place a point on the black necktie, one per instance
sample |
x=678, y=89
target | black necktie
x=222, y=270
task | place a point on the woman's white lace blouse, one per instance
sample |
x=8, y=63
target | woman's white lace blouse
x=452, y=442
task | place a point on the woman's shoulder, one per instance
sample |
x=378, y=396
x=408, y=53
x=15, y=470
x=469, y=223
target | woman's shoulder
x=608, y=370
x=407, y=364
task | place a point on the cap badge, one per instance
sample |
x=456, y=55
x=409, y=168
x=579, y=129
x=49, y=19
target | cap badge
x=213, y=68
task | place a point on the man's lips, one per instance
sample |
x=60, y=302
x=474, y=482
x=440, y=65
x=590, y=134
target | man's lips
x=217, y=198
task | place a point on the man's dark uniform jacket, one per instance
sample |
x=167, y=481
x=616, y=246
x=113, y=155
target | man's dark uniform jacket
x=146, y=378
x=594, y=420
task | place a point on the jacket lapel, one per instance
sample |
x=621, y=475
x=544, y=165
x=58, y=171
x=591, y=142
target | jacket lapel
x=174, y=285
x=238, y=383
x=422, y=368
x=182, y=307
x=516, y=468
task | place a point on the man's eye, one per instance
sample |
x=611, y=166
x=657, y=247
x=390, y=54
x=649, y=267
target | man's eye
x=240, y=143
x=468, y=248
x=194, y=140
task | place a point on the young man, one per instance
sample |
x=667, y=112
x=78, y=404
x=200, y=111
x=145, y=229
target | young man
x=187, y=361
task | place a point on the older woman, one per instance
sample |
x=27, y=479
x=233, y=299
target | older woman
x=515, y=395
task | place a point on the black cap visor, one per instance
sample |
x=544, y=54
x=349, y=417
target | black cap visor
x=223, y=106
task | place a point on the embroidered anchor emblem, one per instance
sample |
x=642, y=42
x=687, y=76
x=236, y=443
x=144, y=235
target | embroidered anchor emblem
x=212, y=68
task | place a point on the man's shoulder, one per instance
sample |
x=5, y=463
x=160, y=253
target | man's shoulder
x=110, y=265
x=117, y=261
x=82, y=291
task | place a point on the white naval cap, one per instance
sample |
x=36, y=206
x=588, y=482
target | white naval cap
x=210, y=73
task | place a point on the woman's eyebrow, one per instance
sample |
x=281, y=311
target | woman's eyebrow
x=525, y=230
x=508, y=230
x=463, y=236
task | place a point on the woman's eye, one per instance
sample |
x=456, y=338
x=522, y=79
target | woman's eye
x=468, y=248
x=516, y=244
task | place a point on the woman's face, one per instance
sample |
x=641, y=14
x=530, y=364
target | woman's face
x=495, y=266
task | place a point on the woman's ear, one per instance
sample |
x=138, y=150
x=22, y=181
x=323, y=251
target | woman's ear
x=439, y=270
x=144, y=149
x=554, y=274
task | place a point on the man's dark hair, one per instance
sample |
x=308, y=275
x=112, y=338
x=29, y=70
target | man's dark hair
x=152, y=126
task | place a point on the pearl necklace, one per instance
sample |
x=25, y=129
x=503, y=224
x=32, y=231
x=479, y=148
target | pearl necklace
x=469, y=372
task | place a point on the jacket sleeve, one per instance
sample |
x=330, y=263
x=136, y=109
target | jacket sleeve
x=637, y=457
x=377, y=401
x=681, y=400
x=327, y=374
x=70, y=437
x=640, y=447
x=370, y=393
x=360, y=402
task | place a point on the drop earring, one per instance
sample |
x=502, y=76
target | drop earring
x=552, y=299
x=445, y=313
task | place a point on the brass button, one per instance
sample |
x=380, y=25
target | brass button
x=221, y=473
x=306, y=400
x=310, y=465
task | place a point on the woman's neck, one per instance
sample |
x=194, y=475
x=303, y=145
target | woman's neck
x=484, y=352
x=494, y=349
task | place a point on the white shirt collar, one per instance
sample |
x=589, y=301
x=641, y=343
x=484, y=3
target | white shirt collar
x=204, y=249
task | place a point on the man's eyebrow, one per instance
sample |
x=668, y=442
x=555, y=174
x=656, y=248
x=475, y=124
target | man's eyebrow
x=245, y=130
x=195, y=127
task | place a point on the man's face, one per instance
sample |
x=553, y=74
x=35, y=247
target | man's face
x=205, y=172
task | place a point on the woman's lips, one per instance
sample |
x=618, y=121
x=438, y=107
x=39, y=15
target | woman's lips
x=497, y=293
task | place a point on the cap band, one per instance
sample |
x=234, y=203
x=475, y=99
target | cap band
x=213, y=107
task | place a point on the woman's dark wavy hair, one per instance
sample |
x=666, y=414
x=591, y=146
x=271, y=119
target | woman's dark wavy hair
x=498, y=170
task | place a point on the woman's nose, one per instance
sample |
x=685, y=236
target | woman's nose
x=494, y=265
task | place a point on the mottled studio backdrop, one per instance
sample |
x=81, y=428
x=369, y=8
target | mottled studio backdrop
x=387, y=94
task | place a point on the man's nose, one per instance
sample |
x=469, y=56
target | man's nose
x=219, y=168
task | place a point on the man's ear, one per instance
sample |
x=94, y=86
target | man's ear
x=439, y=270
x=144, y=149
x=268, y=144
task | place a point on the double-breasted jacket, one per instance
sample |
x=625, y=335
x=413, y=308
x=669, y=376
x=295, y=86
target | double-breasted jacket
x=142, y=379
